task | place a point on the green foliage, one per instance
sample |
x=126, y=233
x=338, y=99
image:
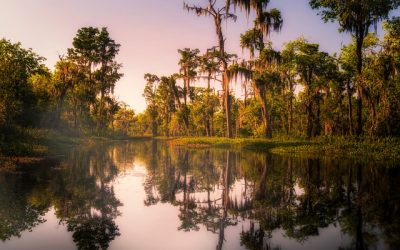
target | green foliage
x=94, y=53
x=75, y=99
x=17, y=95
x=203, y=111
x=252, y=40
x=355, y=17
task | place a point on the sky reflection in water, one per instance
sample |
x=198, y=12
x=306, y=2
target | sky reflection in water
x=148, y=195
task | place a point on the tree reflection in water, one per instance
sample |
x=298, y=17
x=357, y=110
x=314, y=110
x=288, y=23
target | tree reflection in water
x=79, y=188
x=87, y=203
x=218, y=188
x=19, y=211
x=212, y=189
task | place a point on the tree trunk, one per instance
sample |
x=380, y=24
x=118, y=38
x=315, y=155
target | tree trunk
x=208, y=110
x=100, y=117
x=359, y=86
x=225, y=78
x=317, y=121
x=154, y=126
x=185, y=90
x=310, y=119
x=290, y=106
x=59, y=108
x=227, y=107
x=349, y=96
x=374, y=124
x=168, y=122
x=265, y=112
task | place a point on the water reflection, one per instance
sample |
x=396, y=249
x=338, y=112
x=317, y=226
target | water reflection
x=213, y=190
x=86, y=201
x=79, y=188
x=221, y=188
x=19, y=208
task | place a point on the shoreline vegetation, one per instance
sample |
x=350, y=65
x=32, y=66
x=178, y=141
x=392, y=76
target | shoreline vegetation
x=37, y=145
x=40, y=145
x=371, y=149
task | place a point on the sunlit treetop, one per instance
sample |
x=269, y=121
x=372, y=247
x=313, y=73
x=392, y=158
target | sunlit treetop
x=355, y=16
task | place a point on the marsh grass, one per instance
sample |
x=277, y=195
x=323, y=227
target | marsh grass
x=377, y=149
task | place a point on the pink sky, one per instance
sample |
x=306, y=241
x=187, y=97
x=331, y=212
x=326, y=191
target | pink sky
x=150, y=32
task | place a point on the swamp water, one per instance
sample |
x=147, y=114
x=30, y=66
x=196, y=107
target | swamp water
x=149, y=195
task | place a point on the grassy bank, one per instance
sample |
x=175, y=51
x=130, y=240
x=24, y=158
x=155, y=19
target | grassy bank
x=386, y=149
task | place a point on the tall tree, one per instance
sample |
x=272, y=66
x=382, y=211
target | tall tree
x=265, y=68
x=209, y=65
x=219, y=14
x=311, y=66
x=347, y=60
x=108, y=73
x=166, y=101
x=356, y=17
x=263, y=73
x=266, y=78
x=391, y=62
x=150, y=91
x=65, y=75
x=94, y=51
x=288, y=70
x=188, y=65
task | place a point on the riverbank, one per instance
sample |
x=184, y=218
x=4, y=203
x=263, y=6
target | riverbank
x=34, y=145
x=379, y=149
x=40, y=144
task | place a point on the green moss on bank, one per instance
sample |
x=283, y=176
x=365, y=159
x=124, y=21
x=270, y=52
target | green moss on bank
x=249, y=143
x=386, y=149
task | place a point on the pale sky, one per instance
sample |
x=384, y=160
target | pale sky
x=150, y=32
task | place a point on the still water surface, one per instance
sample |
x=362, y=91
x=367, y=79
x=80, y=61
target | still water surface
x=149, y=195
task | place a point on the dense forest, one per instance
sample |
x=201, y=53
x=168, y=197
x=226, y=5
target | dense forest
x=75, y=99
x=298, y=91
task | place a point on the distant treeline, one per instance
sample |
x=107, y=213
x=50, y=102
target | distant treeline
x=298, y=91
